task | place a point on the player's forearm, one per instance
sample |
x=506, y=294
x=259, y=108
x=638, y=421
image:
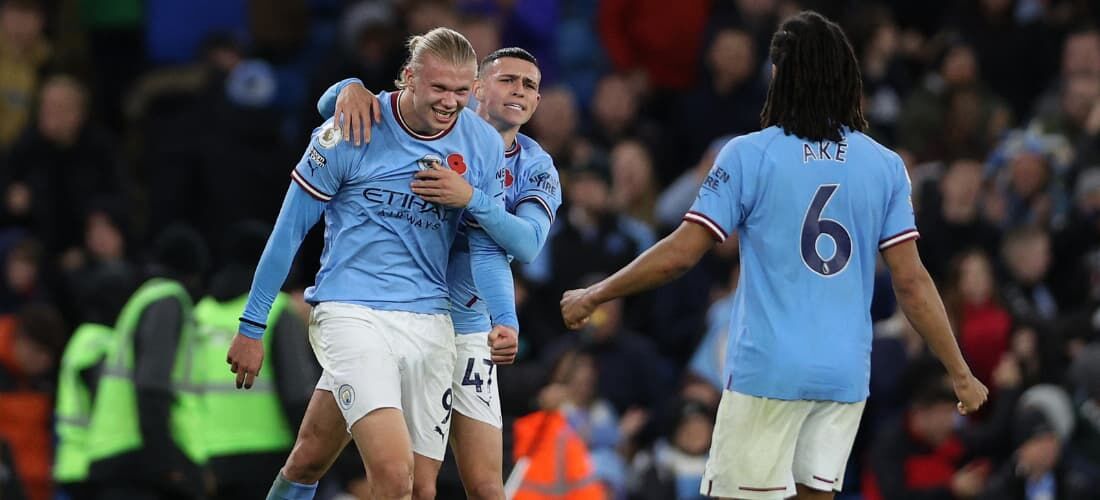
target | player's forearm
x=521, y=235
x=299, y=213
x=921, y=304
x=667, y=260
x=493, y=279
x=326, y=105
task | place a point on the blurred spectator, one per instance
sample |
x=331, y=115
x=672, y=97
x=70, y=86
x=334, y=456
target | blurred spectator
x=106, y=244
x=557, y=458
x=24, y=52
x=727, y=101
x=24, y=276
x=756, y=17
x=1079, y=94
x=980, y=321
x=59, y=166
x=1027, y=257
x=369, y=49
x=30, y=345
x=950, y=219
x=1028, y=173
x=633, y=186
x=1080, y=57
x=923, y=455
x=573, y=392
x=555, y=128
x=673, y=468
x=1043, y=423
x=951, y=114
x=656, y=45
x=616, y=116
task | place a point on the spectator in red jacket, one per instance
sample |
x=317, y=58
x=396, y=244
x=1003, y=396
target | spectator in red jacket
x=29, y=347
x=982, y=324
x=658, y=44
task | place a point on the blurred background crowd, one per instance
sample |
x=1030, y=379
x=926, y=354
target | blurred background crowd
x=140, y=134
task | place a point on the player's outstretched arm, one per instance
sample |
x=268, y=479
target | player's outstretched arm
x=921, y=303
x=664, y=262
x=299, y=213
x=354, y=106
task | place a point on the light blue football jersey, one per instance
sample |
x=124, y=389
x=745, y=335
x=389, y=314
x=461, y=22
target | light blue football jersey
x=385, y=247
x=530, y=177
x=811, y=218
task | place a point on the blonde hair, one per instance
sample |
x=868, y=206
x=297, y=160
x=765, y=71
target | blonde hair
x=445, y=44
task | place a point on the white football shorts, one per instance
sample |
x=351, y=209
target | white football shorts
x=762, y=446
x=388, y=359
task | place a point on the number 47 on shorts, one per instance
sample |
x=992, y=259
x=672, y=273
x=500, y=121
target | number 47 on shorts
x=472, y=377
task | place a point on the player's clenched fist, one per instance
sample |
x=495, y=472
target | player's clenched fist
x=971, y=393
x=246, y=356
x=503, y=344
x=576, y=307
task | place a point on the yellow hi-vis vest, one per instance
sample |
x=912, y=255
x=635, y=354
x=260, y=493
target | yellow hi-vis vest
x=114, y=428
x=236, y=421
x=87, y=347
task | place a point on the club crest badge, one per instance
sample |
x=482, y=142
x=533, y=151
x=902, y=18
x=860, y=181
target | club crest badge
x=346, y=396
x=429, y=161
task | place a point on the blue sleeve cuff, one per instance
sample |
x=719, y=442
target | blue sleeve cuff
x=251, y=329
x=480, y=203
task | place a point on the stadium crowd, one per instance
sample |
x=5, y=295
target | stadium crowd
x=142, y=137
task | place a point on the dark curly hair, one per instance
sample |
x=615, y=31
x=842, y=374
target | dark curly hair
x=817, y=88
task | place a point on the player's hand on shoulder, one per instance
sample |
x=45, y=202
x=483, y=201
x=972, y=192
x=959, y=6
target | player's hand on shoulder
x=356, y=107
x=971, y=392
x=245, y=358
x=442, y=185
x=503, y=344
x=576, y=307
